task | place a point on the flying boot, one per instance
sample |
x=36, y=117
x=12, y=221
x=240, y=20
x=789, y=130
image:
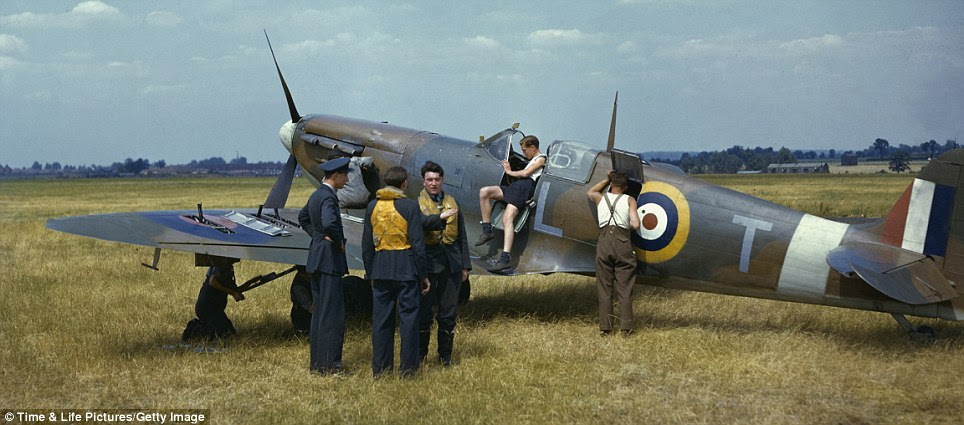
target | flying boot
x=445, y=340
x=423, y=339
x=504, y=262
x=486, y=234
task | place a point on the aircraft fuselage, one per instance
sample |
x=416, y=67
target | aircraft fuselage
x=696, y=236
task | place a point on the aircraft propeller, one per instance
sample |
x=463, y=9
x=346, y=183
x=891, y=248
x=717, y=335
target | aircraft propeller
x=282, y=187
x=612, y=126
x=279, y=192
x=295, y=116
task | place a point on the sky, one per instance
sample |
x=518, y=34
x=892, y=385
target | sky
x=95, y=82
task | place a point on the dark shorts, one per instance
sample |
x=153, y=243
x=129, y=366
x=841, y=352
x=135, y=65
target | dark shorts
x=518, y=192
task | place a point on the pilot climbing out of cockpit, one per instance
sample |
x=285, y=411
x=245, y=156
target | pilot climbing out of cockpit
x=515, y=195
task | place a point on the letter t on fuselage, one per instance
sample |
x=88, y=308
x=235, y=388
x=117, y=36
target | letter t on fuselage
x=751, y=225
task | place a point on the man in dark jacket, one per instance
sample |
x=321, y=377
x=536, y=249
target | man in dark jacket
x=212, y=299
x=393, y=251
x=448, y=263
x=321, y=219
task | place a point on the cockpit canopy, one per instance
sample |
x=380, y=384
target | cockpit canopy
x=567, y=159
x=571, y=160
x=500, y=144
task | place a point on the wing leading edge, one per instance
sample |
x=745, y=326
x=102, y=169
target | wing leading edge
x=219, y=232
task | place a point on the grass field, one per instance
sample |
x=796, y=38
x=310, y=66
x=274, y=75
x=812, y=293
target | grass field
x=84, y=326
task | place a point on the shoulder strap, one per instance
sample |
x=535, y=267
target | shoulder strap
x=612, y=207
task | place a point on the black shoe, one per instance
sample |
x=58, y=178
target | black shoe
x=486, y=234
x=503, y=263
x=445, y=361
x=485, y=238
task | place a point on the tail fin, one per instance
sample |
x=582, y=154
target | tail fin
x=929, y=217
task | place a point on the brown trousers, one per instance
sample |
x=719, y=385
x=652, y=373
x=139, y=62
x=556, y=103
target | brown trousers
x=615, y=269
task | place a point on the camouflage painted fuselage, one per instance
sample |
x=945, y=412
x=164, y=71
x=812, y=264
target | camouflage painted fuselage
x=697, y=236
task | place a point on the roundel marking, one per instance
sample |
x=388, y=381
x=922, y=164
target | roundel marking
x=651, y=220
x=654, y=220
x=664, y=216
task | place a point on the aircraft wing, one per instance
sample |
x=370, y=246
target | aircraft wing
x=898, y=273
x=239, y=233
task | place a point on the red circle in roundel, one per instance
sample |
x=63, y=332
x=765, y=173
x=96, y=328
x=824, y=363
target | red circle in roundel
x=650, y=221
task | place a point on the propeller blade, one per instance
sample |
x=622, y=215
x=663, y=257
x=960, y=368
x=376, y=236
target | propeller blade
x=295, y=116
x=279, y=193
x=612, y=126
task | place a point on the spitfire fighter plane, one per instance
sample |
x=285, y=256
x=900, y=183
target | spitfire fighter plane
x=694, y=235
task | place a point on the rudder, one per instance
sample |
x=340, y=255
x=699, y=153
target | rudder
x=929, y=216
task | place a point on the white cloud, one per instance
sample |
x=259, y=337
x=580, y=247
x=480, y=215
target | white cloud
x=7, y=62
x=26, y=19
x=163, y=19
x=78, y=56
x=560, y=37
x=497, y=80
x=82, y=14
x=627, y=47
x=699, y=47
x=750, y=46
x=511, y=78
x=370, y=45
x=482, y=41
x=95, y=8
x=813, y=44
x=312, y=46
x=11, y=43
x=918, y=44
x=128, y=68
x=404, y=7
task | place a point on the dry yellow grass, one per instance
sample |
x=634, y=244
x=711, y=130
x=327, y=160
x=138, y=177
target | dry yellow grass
x=871, y=166
x=82, y=325
x=825, y=195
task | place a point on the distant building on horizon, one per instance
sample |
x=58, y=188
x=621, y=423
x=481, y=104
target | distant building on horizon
x=848, y=159
x=803, y=168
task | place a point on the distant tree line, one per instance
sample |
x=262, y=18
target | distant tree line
x=218, y=163
x=130, y=166
x=738, y=158
x=883, y=149
x=731, y=160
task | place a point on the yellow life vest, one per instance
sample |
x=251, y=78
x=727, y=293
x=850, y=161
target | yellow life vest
x=450, y=233
x=389, y=228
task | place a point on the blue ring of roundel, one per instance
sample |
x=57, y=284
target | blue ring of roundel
x=672, y=216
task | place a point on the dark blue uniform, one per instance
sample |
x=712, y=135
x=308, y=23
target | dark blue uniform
x=321, y=217
x=395, y=276
x=211, y=321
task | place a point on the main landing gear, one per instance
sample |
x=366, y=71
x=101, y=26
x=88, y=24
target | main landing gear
x=923, y=333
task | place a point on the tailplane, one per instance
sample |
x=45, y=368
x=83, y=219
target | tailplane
x=929, y=216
